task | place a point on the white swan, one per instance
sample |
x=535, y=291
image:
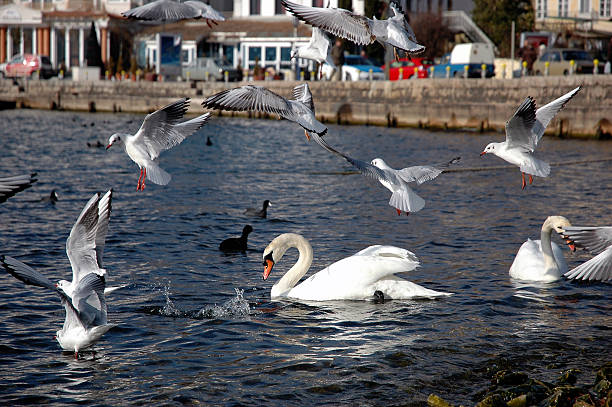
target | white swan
x=357, y=277
x=541, y=260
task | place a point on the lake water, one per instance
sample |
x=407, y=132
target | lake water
x=198, y=326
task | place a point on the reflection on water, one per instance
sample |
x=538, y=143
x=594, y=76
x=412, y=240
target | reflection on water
x=195, y=325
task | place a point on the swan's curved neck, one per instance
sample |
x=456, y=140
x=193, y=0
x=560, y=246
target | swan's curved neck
x=295, y=273
x=545, y=242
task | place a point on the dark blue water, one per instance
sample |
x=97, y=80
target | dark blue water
x=197, y=326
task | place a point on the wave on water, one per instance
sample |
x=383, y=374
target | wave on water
x=234, y=308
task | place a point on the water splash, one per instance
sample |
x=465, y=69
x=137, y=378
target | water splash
x=236, y=307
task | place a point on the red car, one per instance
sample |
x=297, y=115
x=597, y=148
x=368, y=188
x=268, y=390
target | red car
x=33, y=66
x=408, y=68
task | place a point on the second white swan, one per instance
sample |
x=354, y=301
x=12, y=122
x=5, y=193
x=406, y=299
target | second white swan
x=357, y=277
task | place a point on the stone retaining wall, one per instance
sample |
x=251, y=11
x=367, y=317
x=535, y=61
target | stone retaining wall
x=430, y=103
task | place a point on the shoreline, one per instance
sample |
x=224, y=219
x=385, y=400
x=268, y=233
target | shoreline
x=481, y=105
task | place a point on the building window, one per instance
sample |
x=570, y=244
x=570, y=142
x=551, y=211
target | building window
x=585, y=6
x=255, y=8
x=270, y=54
x=318, y=3
x=604, y=8
x=541, y=9
x=563, y=7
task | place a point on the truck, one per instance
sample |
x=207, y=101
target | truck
x=472, y=55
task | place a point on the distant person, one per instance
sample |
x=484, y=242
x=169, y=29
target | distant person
x=337, y=54
x=610, y=50
x=528, y=54
x=363, y=54
x=541, y=48
x=239, y=67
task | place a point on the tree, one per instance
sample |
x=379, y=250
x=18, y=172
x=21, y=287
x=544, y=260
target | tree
x=432, y=32
x=495, y=18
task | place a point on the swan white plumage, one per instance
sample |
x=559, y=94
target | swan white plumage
x=356, y=277
x=541, y=260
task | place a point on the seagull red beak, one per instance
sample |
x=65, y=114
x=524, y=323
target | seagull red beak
x=571, y=245
x=481, y=154
x=268, y=269
x=108, y=146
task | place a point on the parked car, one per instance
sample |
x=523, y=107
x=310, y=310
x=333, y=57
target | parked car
x=559, y=62
x=29, y=65
x=409, y=67
x=356, y=68
x=215, y=67
x=474, y=55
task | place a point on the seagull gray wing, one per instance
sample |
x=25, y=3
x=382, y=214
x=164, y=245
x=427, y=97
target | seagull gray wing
x=340, y=22
x=424, y=173
x=518, y=128
x=365, y=168
x=104, y=211
x=163, y=10
x=161, y=131
x=598, y=268
x=251, y=97
x=547, y=112
x=10, y=186
x=206, y=10
x=81, y=244
x=89, y=301
x=25, y=273
x=302, y=94
x=593, y=238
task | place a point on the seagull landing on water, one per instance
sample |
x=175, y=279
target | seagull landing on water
x=318, y=49
x=83, y=297
x=523, y=132
x=160, y=131
x=300, y=110
x=403, y=198
x=394, y=31
x=170, y=11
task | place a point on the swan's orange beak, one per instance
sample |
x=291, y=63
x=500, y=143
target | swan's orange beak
x=269, y=263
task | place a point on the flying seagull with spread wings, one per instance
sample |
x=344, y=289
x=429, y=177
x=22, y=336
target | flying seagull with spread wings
x=84, y=296
x=524, y=130
x=318, y=49
x=257, y=98
x=597, y=240
x=170, y=11
x=159, y=131
x=403, y=198
x=359, y=29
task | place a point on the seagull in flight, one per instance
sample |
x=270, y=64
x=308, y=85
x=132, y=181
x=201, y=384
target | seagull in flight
x=359, y=29
x=403, y=198
x=170, y=10
x=524, y=130
x=10, y=186
x=318, y=49
x=597, y=240
x=249, y=97
x=159, y=131
x=84, y=297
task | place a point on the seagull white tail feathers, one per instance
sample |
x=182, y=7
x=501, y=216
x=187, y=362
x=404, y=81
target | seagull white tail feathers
x=157, y=175
x=406, y=200
x=536, y=167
